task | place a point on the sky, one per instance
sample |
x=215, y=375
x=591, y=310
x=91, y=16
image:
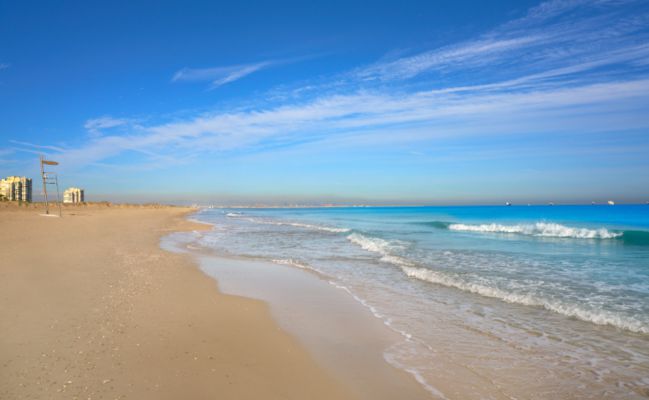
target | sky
x=422, y=102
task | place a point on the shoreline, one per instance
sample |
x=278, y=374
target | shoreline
x=91, y=306
x=460, y=344
x=342, y=333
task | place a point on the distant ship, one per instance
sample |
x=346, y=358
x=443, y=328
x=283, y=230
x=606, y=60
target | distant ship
x=611, y=203
x=508, y=204
x=551, y=203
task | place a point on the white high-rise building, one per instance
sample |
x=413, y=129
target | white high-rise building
x=73, y=195
x=16, y=188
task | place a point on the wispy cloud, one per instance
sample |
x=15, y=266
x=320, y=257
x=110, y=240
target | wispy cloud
x=474, y=54
x=566, y=66
x=96, y=125
x=28, y=145
x=371, y=119
x=4, y=66
x=555, y=34
x=4, y=154
x=219, y=76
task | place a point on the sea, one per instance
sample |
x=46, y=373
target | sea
x=505, y=301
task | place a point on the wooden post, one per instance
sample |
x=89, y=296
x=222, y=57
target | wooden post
x=47, y=206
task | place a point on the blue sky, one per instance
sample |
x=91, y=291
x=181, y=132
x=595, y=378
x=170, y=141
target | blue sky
x=426, y=102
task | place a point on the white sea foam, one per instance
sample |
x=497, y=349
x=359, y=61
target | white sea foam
x=316, y=227
x=599, y=317
x=288, y=223
x=294, y=263
x=373, y=310
x=392, y=360
x=380, y=246
x=233, y=215
x=375, y=245
x=291, y=262
x=389, y=358
x=541, y=229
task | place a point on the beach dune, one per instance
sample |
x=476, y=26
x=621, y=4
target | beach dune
x=91, y=307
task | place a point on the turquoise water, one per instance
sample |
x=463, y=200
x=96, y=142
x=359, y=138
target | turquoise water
x=560, y=292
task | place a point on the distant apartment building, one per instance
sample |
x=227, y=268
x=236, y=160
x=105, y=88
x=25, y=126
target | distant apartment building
x=16, y=188
x=73, y=195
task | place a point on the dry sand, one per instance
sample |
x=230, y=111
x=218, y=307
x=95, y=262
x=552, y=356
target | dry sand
x=92, y=308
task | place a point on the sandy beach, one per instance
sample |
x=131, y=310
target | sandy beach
x=324, y=200
x=92, y=308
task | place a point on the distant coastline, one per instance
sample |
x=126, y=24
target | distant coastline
x=393, y=205
x=105, y=204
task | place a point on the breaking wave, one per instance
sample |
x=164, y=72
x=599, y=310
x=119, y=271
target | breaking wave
x=412, y=269
x=380, y=246
x=539, y=229
x=376, y=245
x=599, y=317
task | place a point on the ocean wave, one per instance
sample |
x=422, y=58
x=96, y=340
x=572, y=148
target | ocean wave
x=315, y=227
x=382, y=247
x=288, y=223
x=599, y=317
x=412, y=269
x=375, y=245
x=234, y=215
x=539, y=229
x=639, y=238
